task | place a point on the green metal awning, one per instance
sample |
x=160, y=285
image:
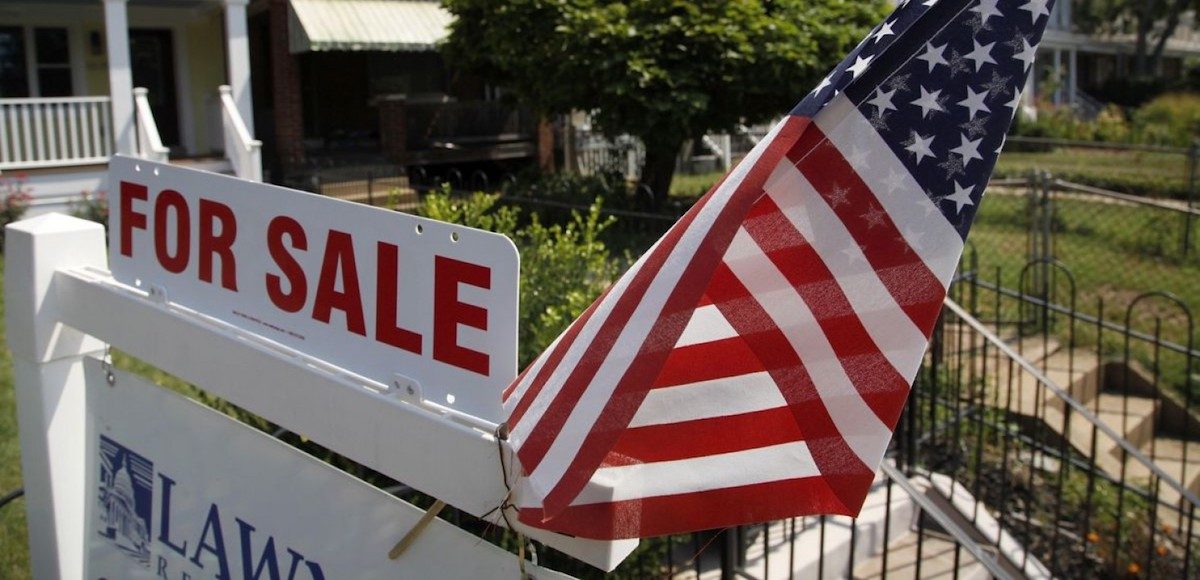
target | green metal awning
x=353, y=25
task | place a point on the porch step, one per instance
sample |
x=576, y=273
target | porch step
x=937, y=559
x=211, y=164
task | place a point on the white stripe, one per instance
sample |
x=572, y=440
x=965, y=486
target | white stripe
x=866, y=435
x=530, y=375
x=919, y=221
x=709, y=399
x=599, y=391
x=706, y=325
x=897, y=337
x=753, y=466
x=571, y=359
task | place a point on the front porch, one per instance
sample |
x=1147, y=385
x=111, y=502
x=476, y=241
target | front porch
x=68, y=72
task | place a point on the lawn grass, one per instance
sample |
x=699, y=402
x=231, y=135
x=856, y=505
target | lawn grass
x=1150, y=174
x=14, y=542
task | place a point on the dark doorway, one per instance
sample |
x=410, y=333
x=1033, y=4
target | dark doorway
x=153, y=62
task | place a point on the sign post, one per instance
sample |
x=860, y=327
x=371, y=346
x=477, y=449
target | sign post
x=383, y=337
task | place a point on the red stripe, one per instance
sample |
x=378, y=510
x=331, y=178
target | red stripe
x=710, y=436
x=914, y=287
x=836, y=461
x=674, y=514
x=554, y=358
x=631, y=389
x=707, y=361
x=880, y=385
x=534, y=448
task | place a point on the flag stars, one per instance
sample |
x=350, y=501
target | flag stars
x=987, y=9
x=858, y=156
x=1026, y=53
x=953, y=166
x=839, y=196
x=920, y=146
x=1037, y=9
x=968, y=149
x=874, y=216
x=998, y=85
x=884, y=31
x=981, y=55
x=934, y=55
x=975, y=127
x=957, y=64
x=894, y=181
x=855, y=255
x=961, y=197
x=930, y=102
x=860, y=65
x=974, y=103
x=913, y=238
x=825, y=82
x=883, y=100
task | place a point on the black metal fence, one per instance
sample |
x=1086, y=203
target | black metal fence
x=1052, y=430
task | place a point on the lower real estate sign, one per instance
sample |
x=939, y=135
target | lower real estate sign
x=179, y=491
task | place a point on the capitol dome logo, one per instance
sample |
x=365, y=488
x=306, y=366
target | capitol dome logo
x=126, y=495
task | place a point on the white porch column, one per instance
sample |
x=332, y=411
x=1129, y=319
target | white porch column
x=1059, y=78
x=238, y=50
x=1074, y=78
x=120, y=76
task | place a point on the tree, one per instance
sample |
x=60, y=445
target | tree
x=1152, y=22
x=662, y=70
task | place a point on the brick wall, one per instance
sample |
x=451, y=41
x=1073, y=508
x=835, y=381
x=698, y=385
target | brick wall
x=285, y=76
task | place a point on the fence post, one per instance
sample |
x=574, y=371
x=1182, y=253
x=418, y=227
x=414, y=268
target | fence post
x=48, y=380
x=1188, y=218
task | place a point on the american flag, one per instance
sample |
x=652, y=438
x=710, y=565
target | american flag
x=753, y=364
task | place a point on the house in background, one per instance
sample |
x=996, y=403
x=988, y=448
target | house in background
x=68, y=72
x=1073, y=67
x=346, y=83
x=321, y=82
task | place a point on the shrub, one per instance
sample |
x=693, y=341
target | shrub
x=1063, y=123
x=91, y=206
x=564, y=267
x=569, y=187
x=14, y=201
x=1171, y=119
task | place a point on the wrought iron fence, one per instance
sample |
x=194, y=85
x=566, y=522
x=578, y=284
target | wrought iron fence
x=1052, y=430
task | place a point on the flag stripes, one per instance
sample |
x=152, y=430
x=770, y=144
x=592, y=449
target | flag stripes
x=755, y=362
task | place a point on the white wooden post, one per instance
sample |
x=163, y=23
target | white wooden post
x=237, y=49
x=48, y=372
x=120, y=76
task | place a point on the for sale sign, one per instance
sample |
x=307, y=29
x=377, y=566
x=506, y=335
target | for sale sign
x=177, y=491
x=392, y=297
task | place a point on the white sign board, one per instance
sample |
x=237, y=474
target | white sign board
x=177, y=491
x=406, y=301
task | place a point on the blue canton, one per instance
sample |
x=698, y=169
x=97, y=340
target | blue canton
x=941, y=81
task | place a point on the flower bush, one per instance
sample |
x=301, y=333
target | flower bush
x=14, y=201
x=91, y=205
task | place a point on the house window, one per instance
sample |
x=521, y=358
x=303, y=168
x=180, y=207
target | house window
x=14, y=78
x=53, y=58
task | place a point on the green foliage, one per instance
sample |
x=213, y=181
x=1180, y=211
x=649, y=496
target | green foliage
x=564, y=267
x=91, y=206
x=14, y=201
x=662, y=70
x=1171, y=119
x=575, y=188
x=1062, y=123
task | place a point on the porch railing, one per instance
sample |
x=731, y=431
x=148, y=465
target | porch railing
x=149, y=144
x=52, y=132
x=243, y=151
